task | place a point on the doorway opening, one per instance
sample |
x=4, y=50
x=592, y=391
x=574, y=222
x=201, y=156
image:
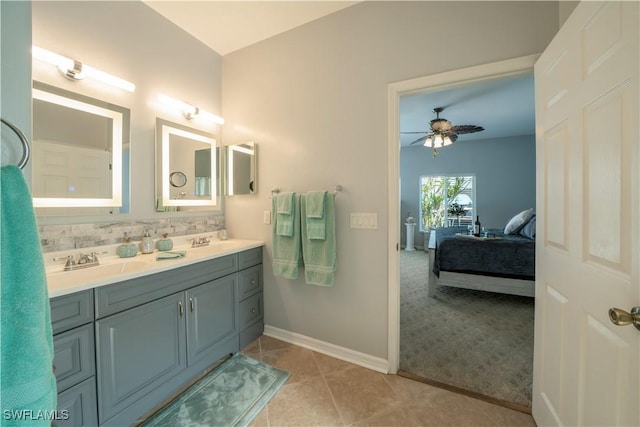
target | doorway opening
x=397, y=211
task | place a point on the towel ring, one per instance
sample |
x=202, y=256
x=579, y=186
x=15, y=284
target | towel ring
x=26, y=152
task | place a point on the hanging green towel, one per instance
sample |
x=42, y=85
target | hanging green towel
x=285, y=212
x=316, y=221
x=27, y=380
x=320, y=255
x=286, y=257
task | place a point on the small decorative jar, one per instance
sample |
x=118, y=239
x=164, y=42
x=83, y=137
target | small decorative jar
x=146, y=245
x=127, y=249
x=164, y=244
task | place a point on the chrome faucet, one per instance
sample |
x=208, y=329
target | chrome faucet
x=84, y=261
x=200, y=241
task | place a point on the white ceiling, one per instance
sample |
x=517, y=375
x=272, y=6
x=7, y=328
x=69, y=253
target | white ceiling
x=226, y=26
x=504, y=108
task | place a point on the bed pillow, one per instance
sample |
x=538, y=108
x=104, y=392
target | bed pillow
x=529, y=229
x=517, y=222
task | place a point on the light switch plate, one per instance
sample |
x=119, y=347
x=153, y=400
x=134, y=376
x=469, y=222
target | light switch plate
x=266, y=217
x=364, y=220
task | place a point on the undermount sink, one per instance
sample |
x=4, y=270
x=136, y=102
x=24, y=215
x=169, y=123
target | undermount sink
x=70, y=278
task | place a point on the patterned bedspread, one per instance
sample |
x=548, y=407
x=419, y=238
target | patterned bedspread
x=511, y=256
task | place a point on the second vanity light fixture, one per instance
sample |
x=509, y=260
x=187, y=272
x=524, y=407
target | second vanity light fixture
x=76, y=70
x=190, y=112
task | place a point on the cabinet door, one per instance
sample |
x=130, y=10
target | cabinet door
x=138, y=350
x=211, y=318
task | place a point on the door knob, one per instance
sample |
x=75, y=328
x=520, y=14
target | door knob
x=622, y=318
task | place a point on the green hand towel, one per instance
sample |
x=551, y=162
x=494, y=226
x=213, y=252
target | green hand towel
x=285, y=212
x=320, y=255
x=316, y=221
x=170, y=255
x=27, y=380
x=286, y=257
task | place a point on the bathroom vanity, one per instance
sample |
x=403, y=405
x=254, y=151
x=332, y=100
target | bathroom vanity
x=122, y=348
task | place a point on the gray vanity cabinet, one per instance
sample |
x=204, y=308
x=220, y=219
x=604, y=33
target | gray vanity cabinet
x=74, y=359
x=139, y=350
x=156, y=343
x=125, y=348
x=210, y=318
x=250, y=302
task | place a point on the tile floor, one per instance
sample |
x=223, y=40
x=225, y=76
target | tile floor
x=323, y=391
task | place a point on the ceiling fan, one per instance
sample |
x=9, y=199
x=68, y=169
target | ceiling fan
x=442, y=132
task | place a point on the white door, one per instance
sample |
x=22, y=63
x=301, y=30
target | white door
x=586, y=369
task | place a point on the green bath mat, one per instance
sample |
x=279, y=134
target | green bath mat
x=232, y=395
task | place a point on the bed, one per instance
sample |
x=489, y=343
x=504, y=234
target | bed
x=503, y=263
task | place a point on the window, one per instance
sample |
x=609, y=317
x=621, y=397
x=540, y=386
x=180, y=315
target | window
x=446, y=200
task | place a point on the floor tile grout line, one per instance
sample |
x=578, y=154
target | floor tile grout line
x=326, y=384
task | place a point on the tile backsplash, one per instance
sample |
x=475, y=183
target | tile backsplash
x=64, y=237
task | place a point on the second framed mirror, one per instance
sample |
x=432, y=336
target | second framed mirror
x=187, y=172
x=241, y=161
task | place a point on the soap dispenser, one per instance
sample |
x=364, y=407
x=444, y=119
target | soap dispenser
x=147, y=245
x=164, y=244
x=127, y=249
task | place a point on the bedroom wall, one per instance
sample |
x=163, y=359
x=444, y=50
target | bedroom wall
x=315, y=101
x=505, y=171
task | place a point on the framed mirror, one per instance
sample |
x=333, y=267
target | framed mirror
x=187, y=172
x=241, y=162
x=80, y=154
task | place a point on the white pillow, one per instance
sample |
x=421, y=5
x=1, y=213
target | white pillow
x=518, y=221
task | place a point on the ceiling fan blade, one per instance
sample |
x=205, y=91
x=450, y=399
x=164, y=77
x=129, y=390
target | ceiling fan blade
x=419, y=140
x=462, y=129
x=414, y=132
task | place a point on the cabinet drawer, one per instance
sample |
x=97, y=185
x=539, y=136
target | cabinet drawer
x=77, y=406
x=72, y=310
x=250, y=281
x=250, y=310
x=250, y=258
x=74, y=356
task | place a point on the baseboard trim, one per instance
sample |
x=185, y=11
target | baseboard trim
x=357, y=358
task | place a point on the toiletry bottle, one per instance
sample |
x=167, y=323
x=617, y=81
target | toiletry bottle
x=127, y=249
x=146, y=246
x=164, y=244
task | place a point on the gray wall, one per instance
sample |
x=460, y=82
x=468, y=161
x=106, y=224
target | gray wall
x=15, y=101
x=505, y=171
x=315, y=100
x=132, y=41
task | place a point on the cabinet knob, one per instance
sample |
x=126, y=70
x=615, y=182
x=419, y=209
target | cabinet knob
x=253, y=310
x=253, y=281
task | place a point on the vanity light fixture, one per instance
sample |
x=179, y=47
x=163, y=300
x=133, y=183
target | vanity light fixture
x=190, y=112
x=76, y=70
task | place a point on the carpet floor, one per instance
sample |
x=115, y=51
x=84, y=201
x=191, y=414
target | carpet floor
x=231, y=395
x=477, y=341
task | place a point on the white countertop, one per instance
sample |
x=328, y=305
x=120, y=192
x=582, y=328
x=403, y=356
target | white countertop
x=113, y=269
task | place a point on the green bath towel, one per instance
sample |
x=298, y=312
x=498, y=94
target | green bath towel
x=315, y=202
x=286, y=258
x=27, y=383
x=285, y=213
x=320, y=255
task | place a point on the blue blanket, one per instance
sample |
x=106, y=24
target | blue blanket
x=510, y=256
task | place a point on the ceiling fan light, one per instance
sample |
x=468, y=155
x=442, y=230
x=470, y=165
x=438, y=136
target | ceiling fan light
x=447, y=141
x=428, y=142
x=437, y=141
